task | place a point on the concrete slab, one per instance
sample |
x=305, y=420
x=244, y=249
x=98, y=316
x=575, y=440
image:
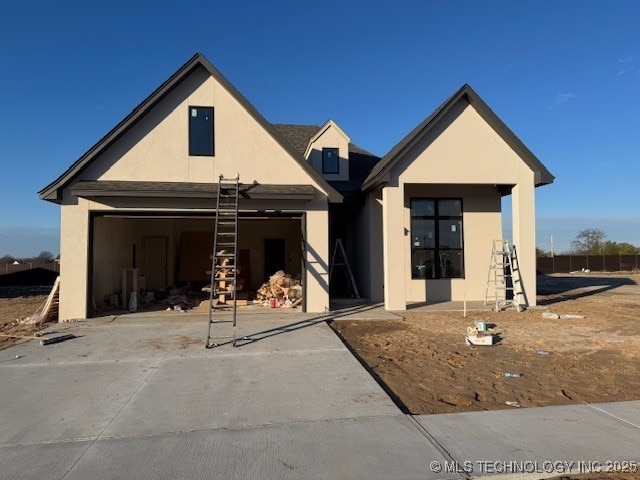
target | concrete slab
x=625, y=411
x=364, y=312
x=51, y=460
x=379, y=448
x=252, y=388
x=574, y=433
x=454, y=306
x=60, y=402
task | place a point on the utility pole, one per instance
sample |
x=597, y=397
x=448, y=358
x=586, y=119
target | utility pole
x=551, y=246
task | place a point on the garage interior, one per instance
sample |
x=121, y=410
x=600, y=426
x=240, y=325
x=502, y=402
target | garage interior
x=173, y=251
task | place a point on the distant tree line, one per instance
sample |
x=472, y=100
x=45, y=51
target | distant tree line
x=43, y=257
x=591, y=241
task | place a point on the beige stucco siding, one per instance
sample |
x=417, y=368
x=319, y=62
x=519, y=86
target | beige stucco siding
x=156, y=149
x=463, y=157
x=468, y=150
x=330, y=137
x=368, y=251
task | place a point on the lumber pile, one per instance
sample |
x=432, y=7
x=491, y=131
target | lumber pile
x=280, y=291
x=49, y=310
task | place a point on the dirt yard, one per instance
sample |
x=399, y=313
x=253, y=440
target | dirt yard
x=17, y=304
x=424, y=363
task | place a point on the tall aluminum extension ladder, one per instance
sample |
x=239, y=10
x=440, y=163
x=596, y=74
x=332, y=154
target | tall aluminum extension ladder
x=224, y=258
x=504, y=274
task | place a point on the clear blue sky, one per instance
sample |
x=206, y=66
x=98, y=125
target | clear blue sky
x=563, y=76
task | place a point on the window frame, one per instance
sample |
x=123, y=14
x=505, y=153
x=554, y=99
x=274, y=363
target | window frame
x=436, y=249
x=213, y=129
x=333, y=149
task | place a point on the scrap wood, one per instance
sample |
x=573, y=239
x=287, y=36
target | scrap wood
x=49, y=308
x=10, y=335
x=59, y=338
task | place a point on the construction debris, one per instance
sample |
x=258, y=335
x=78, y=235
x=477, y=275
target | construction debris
x=474, y=337
x=556, y=316
x=58, y=339
x=280, y=291
x=49, y=310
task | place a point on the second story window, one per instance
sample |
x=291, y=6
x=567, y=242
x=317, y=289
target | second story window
x=330, y=160
x=201, y=131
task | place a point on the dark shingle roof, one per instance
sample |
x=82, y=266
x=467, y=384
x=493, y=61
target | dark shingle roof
x=360, y=161
x=298, y=136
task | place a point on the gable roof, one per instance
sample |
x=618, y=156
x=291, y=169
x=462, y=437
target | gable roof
x=382, y=168
x=298, y=136
x=360, y=160
x=328, y=124
x=53, y=191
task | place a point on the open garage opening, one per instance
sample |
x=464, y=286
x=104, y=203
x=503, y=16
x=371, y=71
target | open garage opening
x=169, y=252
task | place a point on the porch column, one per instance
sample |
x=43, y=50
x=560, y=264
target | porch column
x=74, y=265
x=524, y=237
x=393, y=239
x=316, y=255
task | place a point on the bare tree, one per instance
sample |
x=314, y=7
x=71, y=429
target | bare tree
x=45, y=256
x=588, y=241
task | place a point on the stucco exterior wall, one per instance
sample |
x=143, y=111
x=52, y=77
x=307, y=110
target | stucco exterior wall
x=462, y=157
x=368, y=254
x=156, y=149
x=330, y=138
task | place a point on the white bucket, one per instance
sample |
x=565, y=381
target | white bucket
x=480, y=325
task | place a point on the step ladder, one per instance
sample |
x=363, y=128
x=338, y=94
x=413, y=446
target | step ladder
x=338, y=250
x=504, y=284
x=224, y=258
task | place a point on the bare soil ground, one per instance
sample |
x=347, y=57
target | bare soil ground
x=424, y=363
x=14, y=305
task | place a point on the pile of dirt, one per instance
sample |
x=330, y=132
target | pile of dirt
x=424, y=361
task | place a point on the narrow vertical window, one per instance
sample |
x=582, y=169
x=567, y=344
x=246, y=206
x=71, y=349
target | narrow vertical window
x=330, y=160
x=201, y=131
x=436, y=238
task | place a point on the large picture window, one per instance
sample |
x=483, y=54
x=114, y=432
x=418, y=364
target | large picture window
x=201, y=131
x=436, y=238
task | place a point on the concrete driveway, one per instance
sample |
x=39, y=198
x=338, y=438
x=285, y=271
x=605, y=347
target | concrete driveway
x=140, y=397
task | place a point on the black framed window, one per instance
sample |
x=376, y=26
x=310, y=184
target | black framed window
x=436, y=238
x=201, y=131
x=330, y=160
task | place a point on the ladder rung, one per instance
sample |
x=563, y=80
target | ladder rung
x=225, y=255
x=226, y=244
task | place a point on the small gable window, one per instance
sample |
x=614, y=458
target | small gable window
x=330, y=160
x=201, y=131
